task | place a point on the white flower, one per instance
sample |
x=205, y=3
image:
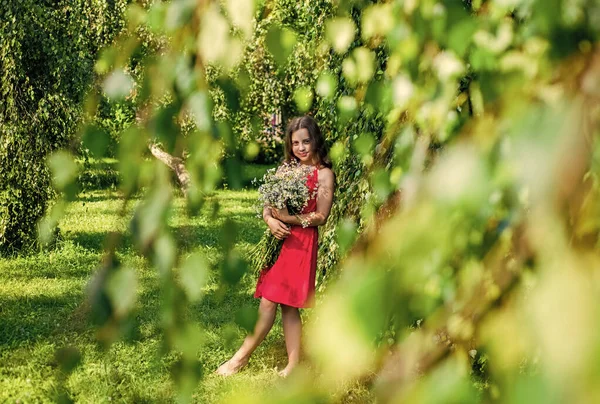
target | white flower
x=285, y=187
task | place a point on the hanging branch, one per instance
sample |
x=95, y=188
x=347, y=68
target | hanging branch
x=430, y=345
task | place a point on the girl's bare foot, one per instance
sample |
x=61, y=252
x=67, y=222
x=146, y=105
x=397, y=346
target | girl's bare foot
x=231, y=367
x=288, y=369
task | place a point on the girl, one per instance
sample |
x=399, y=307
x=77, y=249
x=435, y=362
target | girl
x=290, y=282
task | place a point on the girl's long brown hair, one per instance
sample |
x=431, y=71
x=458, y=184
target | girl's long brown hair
x=316, y=139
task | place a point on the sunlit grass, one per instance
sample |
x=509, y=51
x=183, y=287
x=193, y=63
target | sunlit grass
x=41, y=299
x=42, y=295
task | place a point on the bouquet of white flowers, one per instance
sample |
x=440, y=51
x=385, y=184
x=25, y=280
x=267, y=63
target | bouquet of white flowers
x=280, y=188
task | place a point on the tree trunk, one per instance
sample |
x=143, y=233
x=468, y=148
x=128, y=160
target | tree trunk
x=175, y=164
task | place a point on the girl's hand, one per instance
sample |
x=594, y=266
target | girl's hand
x=278, y=229
x=280, y=214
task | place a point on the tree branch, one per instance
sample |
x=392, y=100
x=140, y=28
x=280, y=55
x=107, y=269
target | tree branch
x=429, y=346
x=174, y=163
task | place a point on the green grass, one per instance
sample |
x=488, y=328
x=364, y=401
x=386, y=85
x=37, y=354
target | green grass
x=41, y=310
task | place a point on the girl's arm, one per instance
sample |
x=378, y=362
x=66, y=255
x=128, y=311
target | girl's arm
x=324, y=202
x=277, y=228
x=267, y=214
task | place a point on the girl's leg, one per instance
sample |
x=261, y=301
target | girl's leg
x=292, y=330
x=266, y=317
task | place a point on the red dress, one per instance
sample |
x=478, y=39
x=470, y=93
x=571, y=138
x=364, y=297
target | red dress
x=291, y=279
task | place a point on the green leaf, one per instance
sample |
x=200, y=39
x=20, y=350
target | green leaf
x=241, y=13
x=106, y=60
x=63, y=168
x=148, y=218
x=337, y=152
x=232, y=93
x=280, y=42
x=234, y=267
x=156, y=17
x=459, y=37
x=179, y=12
x=303, y=97
x=347, y=106
x=200, y=105
x=132, y=145
x=228, y=234
x=340, y=33
x=326, y=85
x=367, y=295
x=194, y=276
x=379, y=95
x=381, y=184
x=68, y=358
x=251, y=151
x=165, y=128
x=188, y=340
x=118, y=85
x=233, y=172
x=185, y=76
x=377, y=21
x=96, y=140
x=47, y=226
x=364, y=144
x=482, y=59
x=246, y=318
x=365, y=64
x=121, y=288
x=165, y=253
x=346, y=233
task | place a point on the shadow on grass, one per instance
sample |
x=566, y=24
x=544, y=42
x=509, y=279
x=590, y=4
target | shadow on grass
x=190, y=236
x=96, y=241
x=90, y=240
x=98, y=197
x=30, y=319
x=63, y=318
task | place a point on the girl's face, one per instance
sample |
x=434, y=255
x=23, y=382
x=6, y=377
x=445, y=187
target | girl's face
x=302, y=146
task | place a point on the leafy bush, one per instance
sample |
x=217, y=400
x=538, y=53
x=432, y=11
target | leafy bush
x=47, y=55
x=97, y=174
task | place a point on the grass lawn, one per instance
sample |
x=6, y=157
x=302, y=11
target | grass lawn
x=40, y=311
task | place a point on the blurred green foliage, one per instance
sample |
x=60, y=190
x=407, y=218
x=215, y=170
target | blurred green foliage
x=464, y=141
